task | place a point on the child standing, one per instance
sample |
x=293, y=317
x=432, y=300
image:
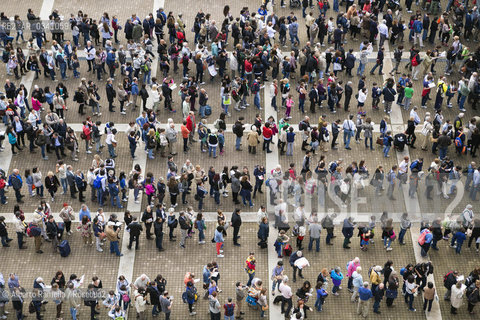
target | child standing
x=219, y=241
x=123, y=186
x=299, y=232
x=86, y=231
x=408, y=95
x=321, y=295
x=289, y=104
x=451, y=90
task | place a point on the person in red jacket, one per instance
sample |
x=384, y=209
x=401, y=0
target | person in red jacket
x=267, y=137
x=191, y=125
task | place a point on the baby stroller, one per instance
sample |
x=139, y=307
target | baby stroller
x=295, y=4
x=399, y=141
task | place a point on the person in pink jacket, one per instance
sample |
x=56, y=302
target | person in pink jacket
x=351, y=267
x=36, y=105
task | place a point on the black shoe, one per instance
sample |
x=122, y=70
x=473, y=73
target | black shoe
x=237, y=244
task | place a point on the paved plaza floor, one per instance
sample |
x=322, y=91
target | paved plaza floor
x=174, y=262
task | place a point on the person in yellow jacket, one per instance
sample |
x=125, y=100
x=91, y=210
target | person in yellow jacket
x=375, y=277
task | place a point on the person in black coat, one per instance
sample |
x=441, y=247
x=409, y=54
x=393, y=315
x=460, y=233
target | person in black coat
x=154, y=293
x=378, y=294
x=147, y=218
x=263, y=231
x=348, y=94
x=135, y=230
x=236, y=222
x=350, y=62
x=111, y=94
x=51, y=183
x=158, y=230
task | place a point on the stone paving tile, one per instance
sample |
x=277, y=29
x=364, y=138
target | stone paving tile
x=84, y=260
x=229, y=159
x=192, y=259
x=25, y=160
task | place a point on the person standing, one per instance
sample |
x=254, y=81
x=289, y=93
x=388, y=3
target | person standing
x=365, y=295
x=428, y=296
x=236, y=222
x=314, y=231
x=378, y=294
x=135, y=229
x=287, y=294
x=250, y=268
x=166, y=304
x=184, y=227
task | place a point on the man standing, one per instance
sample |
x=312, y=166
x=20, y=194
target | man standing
x=158, y=230
x=238, y=129
x=15, y=180
x=314, y=230
x=112, y=236
x=365, y=295
x=184, y=227
x=166, y=305
x=111, y=94
x=391, y=182
x=378, y=295
x=287, y=294
x=236, y=222
x=294, y=257
x=135, y=230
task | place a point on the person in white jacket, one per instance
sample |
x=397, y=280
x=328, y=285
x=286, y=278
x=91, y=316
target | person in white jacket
x=140, y=303
x=155, y=98
x=232, y=58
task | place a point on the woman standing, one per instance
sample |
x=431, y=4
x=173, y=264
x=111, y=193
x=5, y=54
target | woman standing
x=86, y=231
x=66, y=214
x=456, y=298
x=173, y=190
x=51, y=183
x=392, y=288
x=12, y=139
x=246, y=191
x=58, y=104
x=37, y=181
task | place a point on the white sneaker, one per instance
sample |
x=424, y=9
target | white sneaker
x=220, y=256
x=100, y=250
x=100, y=114
x=193, y=313
x=389, y=249
x=123, y=112
x=89, y=151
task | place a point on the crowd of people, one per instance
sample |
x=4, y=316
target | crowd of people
x=321, y=66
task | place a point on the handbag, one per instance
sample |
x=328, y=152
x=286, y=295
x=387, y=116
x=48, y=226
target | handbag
x=380, y=141
x=264, y=308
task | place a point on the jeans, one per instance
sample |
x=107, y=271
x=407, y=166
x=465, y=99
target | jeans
x=73, y=313
x=386, y=149
x=376, y=305
x=250, y=278
x=319, y=303
x=371, y=143
x=277, y=284
x=100, y=197
x=63, y=182
x=346, y=138
x=401, y=235
x=317, y=244
x=442, y=153
x=238, y=140
x=111, y=150
x=427, y=303
x=114, y=248
x=361, y=69
x=201, y=111
x=387, y=240
x=409, y=299
x=212, y=149
x=375, y=67
x=256, y=100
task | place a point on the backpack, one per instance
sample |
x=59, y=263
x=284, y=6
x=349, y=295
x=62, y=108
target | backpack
x=332, y=167
x=229, y=308
x=97, y=183
x=418, y=27
x=445, y=277
x=184, y=297
x=302, y=126
x=458, y=142
x=421, y=238
x=33, y=230
x=348, y=264
x=402, y=271
x=287, y=251
x=414, y=165
x=370, y=270
x=208, y=110
x=415, y=61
